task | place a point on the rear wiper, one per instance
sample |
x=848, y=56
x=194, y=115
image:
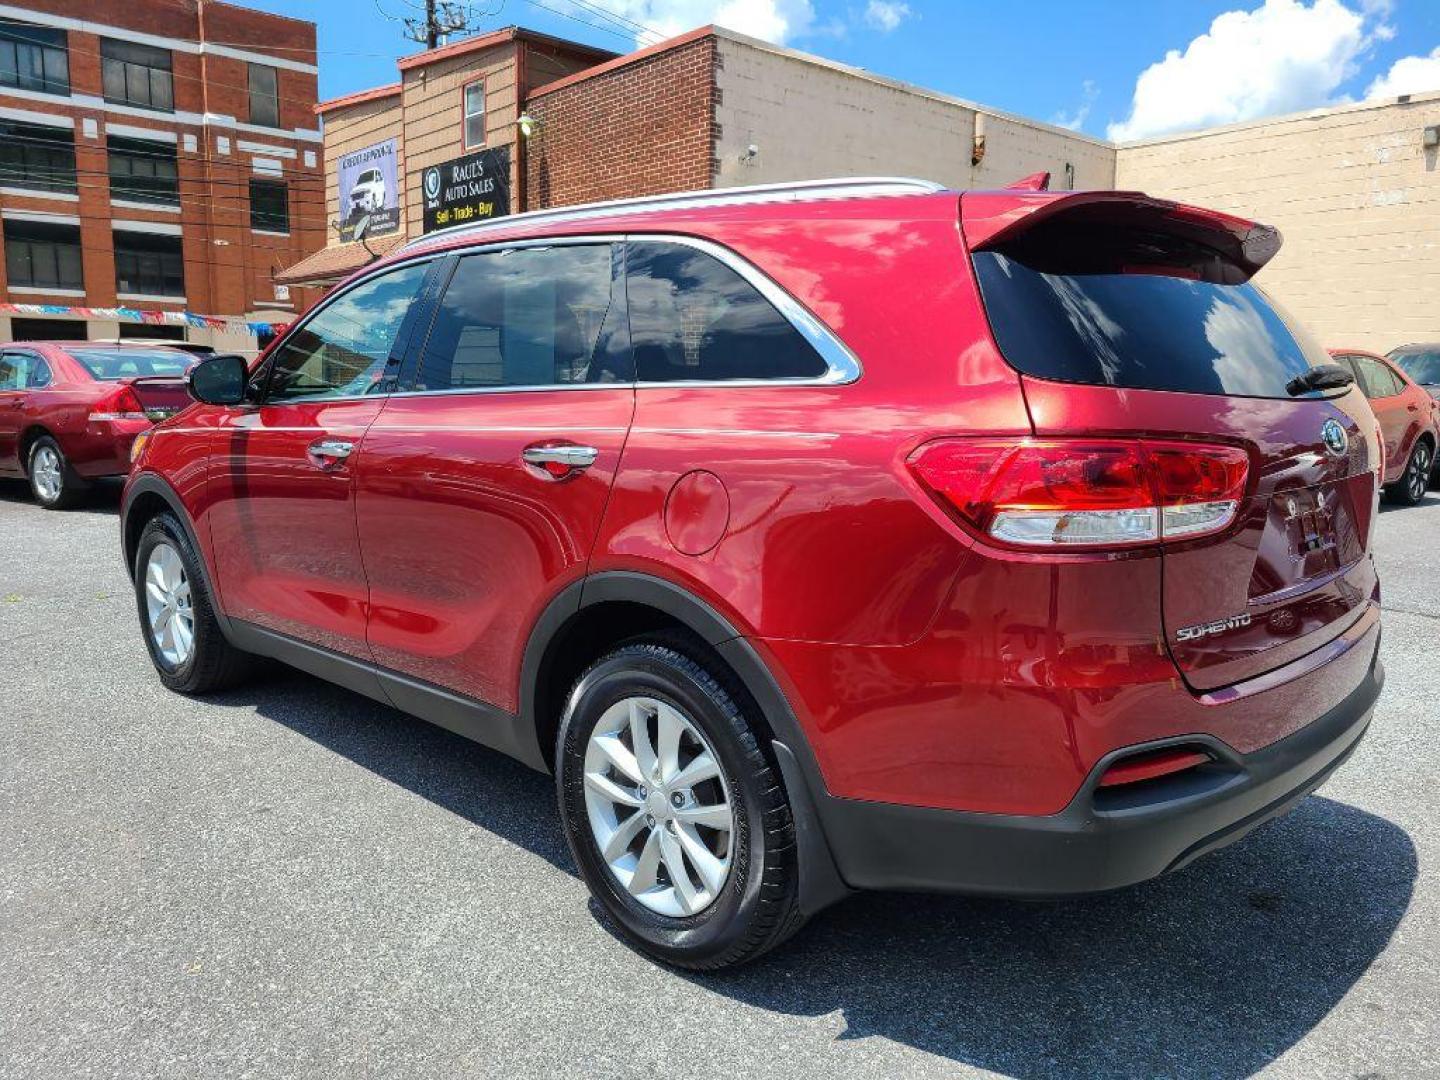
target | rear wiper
x=1323, y=377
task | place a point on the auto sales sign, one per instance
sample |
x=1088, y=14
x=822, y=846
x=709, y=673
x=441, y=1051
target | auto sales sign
x=369, y=192
x=468, y=189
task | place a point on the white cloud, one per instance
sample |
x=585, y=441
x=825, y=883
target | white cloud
x=771, y=20
x=1283, y=56
x=1075, y=119
x=1408, y=75
x=886, y=15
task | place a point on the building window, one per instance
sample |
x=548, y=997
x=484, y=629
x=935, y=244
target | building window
x=41, y=255
x=264, y=96
x=149, y=264
x=269, y=206
x=474, y=115
x=143, y=171
x=33, y=58
x=136, y=75
x=37, y=157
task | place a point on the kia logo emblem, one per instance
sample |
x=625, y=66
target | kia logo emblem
x=1334, y=438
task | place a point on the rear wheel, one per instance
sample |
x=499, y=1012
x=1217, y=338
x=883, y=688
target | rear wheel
x=53, y=482
x=187, y=646
x=1415, y=481
x=675, y=817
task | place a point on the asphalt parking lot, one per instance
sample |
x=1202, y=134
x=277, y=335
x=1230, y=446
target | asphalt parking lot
x=290, y=880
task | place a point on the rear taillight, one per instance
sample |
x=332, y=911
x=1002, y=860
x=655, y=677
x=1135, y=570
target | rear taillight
x=121, y=405
x=1047, y=493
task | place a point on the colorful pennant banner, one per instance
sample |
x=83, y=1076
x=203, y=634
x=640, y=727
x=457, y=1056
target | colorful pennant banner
x=153, y=318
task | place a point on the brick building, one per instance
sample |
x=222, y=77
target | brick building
x=156, y=156
x=1354, y=188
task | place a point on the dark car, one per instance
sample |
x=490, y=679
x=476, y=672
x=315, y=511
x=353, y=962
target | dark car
x=1409, y=419
x=70, y=410
x=820, y=537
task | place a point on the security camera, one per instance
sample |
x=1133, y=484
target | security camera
x=751, y=152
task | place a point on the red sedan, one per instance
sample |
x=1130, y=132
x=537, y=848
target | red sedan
x=1409, y=421
x=70, y=410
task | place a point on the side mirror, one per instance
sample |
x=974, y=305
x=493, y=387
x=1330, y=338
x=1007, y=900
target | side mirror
x=219, y=380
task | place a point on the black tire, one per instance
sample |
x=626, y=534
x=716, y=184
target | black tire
x=72, y=486
x=213, y=663
x=758, y=906
x=1414, y=482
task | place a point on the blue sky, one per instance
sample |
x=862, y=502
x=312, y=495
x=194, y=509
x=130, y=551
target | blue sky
x=1065, y=61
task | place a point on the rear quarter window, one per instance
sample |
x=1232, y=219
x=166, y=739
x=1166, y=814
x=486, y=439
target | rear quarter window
x=1140, y=327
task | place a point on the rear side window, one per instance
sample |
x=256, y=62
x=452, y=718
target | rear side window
x=694, y=318
x=524, y=317
x=107, y=364
x=1144, y=326
x=1377, y=380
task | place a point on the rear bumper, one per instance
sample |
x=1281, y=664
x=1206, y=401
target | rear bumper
x=1094, y=845
x=103, y=447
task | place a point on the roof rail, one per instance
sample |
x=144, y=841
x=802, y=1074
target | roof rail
x=794, y=191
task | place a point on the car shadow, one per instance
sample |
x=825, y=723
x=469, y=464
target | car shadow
x=102, y=497
x=1215, y=970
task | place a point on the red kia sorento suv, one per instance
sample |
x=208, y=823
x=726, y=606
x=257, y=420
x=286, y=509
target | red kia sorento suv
x=70, y=410
x=851, y=535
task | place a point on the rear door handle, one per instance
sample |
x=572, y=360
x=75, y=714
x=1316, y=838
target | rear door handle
x=560, y=461
x=330, y=452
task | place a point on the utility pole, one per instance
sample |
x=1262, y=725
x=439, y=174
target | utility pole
x=442, y=18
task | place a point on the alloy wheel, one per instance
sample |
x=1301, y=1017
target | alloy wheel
x=1418, y=478
x=658, y=806
x=168, y=605
x=47, y=473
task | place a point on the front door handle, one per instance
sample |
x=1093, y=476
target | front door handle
x=328, y=453
x=562, y=460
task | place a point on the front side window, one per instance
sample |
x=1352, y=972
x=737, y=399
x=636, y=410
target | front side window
x=524, y=317
x=149, y=264
x=134, y=74
x=264, y=95
x=40, y=255
x=474, y=115
x=342, y=351
x=142, y=170
x=694, y=318
x=33, y=58
x=37, y=157
x=269, y=206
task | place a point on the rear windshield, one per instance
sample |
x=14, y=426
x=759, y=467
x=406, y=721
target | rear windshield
x=1145, y=327
x=132, y=363
x=1422, y=365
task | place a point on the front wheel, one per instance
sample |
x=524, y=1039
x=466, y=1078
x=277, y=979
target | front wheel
x=52, y=481
x=675, y=816
x=187, y=646
x=1415, y=481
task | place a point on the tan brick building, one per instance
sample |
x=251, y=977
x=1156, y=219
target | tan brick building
x=1353, y=189
x=155, y=156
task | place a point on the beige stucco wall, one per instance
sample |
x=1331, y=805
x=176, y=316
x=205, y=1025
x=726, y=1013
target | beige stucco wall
x=1355, y=195
x=812, y=118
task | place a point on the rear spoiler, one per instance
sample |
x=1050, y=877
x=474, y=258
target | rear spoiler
x=991, y=219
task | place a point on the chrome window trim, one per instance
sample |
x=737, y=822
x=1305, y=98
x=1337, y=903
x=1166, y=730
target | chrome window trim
x=843, y=366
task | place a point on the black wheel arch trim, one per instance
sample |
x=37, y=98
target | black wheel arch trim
x=820, y=881
x=151, y=484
